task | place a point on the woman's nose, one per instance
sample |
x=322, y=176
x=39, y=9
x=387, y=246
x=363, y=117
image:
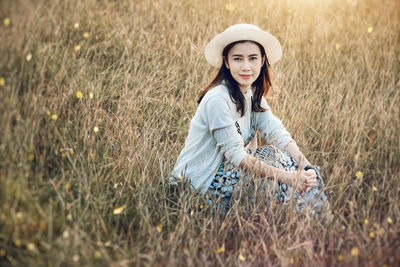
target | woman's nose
x=245, y=65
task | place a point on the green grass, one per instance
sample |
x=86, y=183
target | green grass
x=336, y=89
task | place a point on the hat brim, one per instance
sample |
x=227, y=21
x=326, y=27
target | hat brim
x=214, y=48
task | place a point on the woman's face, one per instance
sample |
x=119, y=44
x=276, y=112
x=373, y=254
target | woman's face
x=244, y=61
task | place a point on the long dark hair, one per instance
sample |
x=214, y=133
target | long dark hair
x=262, y=84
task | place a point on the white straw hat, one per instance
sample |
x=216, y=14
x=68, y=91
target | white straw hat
x=239, y=32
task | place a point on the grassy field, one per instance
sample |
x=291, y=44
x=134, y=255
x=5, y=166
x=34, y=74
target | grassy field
x=95, y=103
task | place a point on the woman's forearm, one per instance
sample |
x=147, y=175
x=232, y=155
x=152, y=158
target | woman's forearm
x=295, y=152
x=255, y=165
x=300, y=180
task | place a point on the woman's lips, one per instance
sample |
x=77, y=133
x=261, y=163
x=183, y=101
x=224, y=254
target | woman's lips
x=245, y=76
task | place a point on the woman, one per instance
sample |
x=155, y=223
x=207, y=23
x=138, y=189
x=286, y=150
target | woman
x=231, y=109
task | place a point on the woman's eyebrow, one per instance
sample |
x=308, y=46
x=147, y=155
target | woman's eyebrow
x=240, y=55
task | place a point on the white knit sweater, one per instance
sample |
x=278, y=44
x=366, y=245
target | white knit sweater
x=213, y=136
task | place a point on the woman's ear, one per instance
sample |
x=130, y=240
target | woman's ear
x=225, y=62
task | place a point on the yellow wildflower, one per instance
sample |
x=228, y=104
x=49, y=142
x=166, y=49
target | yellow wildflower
x=366, y=221
x=340, y=257
x=54, y=117
x=119, y=210
x=71, y=151
x=76, y=25
x=6, y=21
x=291, y=261
x=370, y=29
x=28, y=57
x=359, y=175
x=201, y=206
x=372, y=234
x=159, y=228
x=17, y=242
x=97, y=254
x=96, y=129
x=355, y=252
x=2, y=252
x=79, y=94
x=337, y=46
x=48, y=112
x=31, y=157
x=19, y=215
x=69, y=217
x=30, y=246
x=67, y=186
x=389, y=220
x=85, y=35
x=374, y=188
x=241, y=257
x=91, y=95
x=77, y=47
x=221, y=250
x=2, y=81
x=230, y=6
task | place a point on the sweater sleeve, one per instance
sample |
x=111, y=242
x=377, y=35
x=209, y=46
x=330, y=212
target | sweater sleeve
x=221, y=125
x=272, y=128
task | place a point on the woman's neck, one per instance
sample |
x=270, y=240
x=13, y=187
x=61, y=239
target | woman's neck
x=244, y=89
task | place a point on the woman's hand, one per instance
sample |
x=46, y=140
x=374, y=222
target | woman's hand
x=303, y=181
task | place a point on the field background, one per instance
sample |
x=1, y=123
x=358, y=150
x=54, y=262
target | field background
x=95, y=103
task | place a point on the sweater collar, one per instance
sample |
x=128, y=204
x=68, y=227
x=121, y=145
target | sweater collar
x=249, y=92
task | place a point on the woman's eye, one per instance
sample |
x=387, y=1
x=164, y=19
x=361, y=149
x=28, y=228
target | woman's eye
x=237, y=59
x=253, y=58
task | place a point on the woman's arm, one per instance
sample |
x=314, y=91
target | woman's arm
x=300, y=180
x=230, y=143
x=273, y=130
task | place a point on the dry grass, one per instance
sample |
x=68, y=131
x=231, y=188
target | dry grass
x=336, y=89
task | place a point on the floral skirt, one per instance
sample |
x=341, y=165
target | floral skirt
x=228, y=178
